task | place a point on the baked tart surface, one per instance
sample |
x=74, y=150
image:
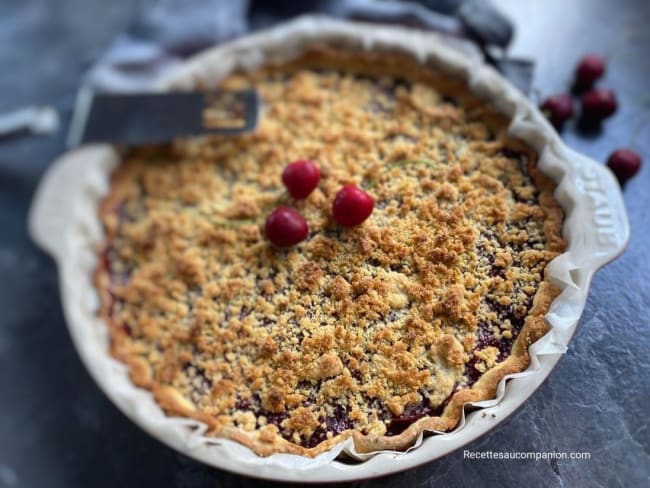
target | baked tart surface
x=375, y=332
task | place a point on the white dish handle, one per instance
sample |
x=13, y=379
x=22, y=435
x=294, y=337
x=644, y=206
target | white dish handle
x=597, y=228
x=59, y=194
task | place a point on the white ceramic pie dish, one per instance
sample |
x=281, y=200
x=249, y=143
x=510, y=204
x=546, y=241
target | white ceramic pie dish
x=64, y=223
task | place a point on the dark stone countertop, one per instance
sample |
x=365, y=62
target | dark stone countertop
x=58, y=430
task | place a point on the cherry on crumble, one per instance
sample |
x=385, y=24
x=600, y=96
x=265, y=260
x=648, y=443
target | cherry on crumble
x=285, y=227
x=352, y=206
x=300, y=178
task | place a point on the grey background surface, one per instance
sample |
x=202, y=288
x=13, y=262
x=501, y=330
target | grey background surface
x=58, y=430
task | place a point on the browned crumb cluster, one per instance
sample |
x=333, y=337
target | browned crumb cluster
x=363, y=330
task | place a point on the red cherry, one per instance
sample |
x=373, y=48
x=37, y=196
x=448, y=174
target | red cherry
x=300, y=178
x=352, y=206
x=590, y=68
x=285, y=227
x=598, y=104
x=624, y=164
x=558, y=109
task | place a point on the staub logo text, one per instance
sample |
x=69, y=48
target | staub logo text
x=603, y=218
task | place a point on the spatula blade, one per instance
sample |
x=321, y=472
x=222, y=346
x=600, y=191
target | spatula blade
x=146, y=118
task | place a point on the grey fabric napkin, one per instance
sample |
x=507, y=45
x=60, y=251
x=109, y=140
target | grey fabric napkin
x=167, y=31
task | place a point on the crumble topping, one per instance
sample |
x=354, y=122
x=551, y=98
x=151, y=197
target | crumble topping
x=369, y=328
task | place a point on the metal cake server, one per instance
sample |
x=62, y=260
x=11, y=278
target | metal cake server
x=141, y=118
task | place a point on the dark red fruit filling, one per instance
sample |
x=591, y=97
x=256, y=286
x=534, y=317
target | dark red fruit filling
x=412, y=413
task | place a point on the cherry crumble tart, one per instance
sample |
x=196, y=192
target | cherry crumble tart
x=376, y=332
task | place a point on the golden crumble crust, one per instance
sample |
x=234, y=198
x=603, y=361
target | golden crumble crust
x=375, y=332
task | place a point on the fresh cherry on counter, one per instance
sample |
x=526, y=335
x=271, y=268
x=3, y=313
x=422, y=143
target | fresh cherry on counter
x=598, y=105
x=624, y=164
x=558, y=109
x=590, y=68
